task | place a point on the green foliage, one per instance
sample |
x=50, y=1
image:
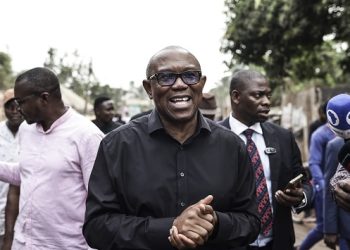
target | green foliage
x=72, y=71
x=6, y=74
x=288, y=38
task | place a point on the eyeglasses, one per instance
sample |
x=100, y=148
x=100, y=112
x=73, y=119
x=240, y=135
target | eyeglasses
x=169, y=78
x=21, y=101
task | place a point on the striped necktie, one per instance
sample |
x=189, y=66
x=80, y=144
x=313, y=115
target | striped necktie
x=262, y=194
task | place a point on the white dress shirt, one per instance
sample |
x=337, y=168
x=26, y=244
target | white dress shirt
x=238, y=128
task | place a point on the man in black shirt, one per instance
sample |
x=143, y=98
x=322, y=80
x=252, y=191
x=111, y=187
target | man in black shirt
x=172, y=171
x=104, y=113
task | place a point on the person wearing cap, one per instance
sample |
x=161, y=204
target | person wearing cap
x=58, y=149
x=208, y=106
x=9, y=150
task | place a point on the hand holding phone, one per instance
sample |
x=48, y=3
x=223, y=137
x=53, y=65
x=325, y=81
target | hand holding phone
x=294, y=183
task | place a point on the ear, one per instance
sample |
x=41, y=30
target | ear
x=44, y=96
x=204, y=80
x=148, y=88
x=235, y=96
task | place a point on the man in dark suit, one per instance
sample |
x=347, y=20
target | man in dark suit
x=337, y=222
x=279, y=156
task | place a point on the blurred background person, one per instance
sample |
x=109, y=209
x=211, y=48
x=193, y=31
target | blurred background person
x=322, y=119
x=104, y=113
x=318, y=143
x=9, y=150
x=338, y=116
x=118, y=118
x=336, y=226
x=208, y=106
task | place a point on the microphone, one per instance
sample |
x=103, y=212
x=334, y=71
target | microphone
x=338, y=115
x=344, y=155
x=338, y=118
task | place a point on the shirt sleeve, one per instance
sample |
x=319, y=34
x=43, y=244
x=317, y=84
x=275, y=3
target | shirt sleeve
x=299, y=169
x=241, y=225
x=88, y=150
x=9, y=172
x=315, y=160
x=108, y=227
x=330, y=225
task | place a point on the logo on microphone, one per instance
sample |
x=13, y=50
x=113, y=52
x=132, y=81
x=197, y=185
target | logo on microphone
x=333, y=118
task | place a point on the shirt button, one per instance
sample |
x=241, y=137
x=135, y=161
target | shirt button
x=182, y=204
x=182, y=174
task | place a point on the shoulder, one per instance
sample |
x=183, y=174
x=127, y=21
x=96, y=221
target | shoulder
x=80, y=129
x=129, y=131
x=81, y=122
x=225, y=122
x=222, y=133
x=275, y=128
x=335, y=143
x=3, y=126
x=323, y=134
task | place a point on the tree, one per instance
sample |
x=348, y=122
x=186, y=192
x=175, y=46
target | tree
x=291, y=40
x=6, y=73
x=79, y=76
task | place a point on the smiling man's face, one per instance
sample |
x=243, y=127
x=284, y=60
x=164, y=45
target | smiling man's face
x=179, y=102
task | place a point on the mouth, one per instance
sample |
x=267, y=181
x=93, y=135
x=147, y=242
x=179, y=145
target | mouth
x=180, y=99
x=264, y=111
x=180, y=102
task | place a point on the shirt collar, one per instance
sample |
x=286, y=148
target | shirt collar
x=238, y=127
x=154, y=123
x=56, y=123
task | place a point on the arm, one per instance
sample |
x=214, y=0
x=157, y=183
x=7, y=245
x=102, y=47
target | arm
x=10, y=173
x=240, y=225
x=342, y=193
x=330, y=225
x=107, y=226
x=87, y=150
x=300, y=196
x=315, y=161
x=11, y=212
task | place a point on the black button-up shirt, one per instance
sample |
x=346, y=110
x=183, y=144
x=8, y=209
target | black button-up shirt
x=143, y=178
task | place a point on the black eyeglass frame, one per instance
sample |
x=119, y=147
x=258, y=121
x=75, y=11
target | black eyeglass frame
x=177, y=75
x=21, y=101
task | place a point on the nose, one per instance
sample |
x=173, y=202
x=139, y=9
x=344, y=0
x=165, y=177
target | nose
x=179, y=84
x=266, y=101
x=18, y=108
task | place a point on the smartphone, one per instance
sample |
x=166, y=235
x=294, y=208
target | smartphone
x=294, y=182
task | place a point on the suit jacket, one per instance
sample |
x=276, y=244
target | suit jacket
x=285, y=164
x=337, y=220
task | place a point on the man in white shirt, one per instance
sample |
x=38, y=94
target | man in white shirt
x=9, y=149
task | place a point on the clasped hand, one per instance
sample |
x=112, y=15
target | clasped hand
x=342, y=194
x=194, y=225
